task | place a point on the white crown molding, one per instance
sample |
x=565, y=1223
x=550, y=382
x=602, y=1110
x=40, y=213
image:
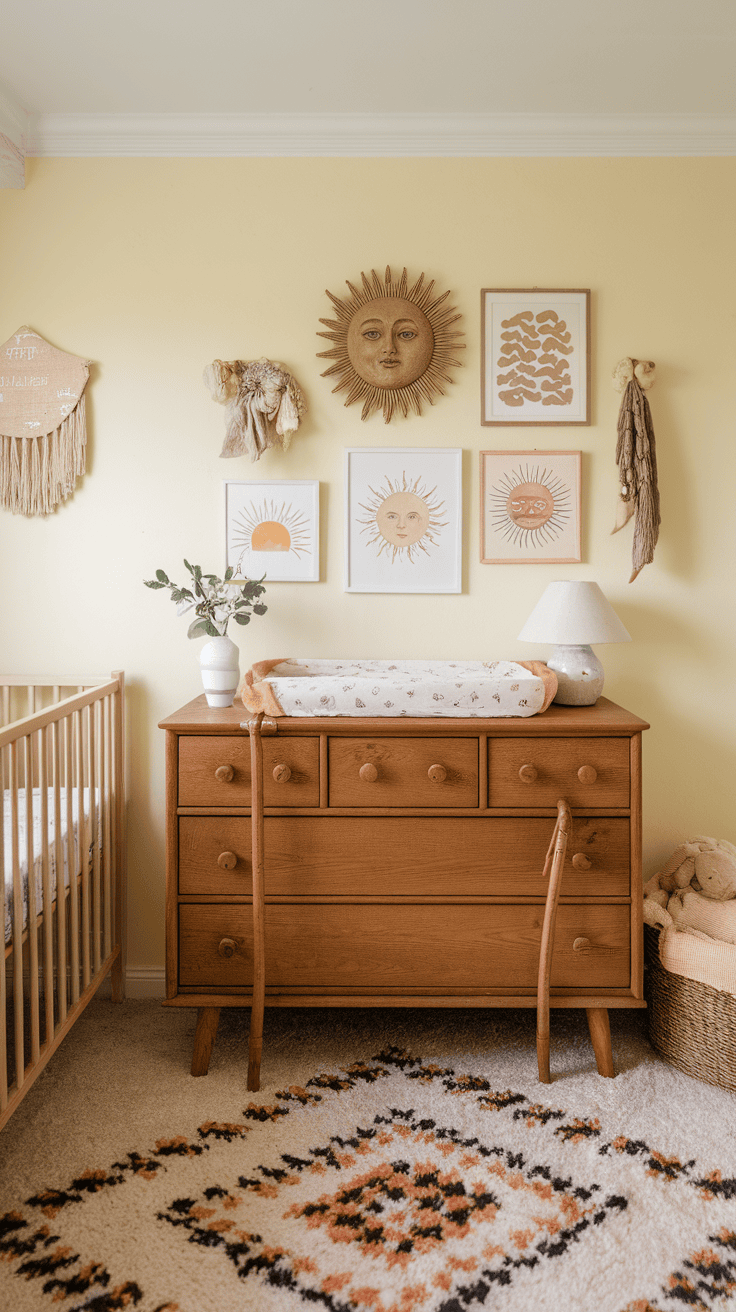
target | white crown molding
x=382, y=135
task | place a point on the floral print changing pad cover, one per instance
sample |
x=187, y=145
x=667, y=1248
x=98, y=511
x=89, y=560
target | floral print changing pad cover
x=465, y=689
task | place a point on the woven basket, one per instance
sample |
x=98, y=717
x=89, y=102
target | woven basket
x=692, y=1025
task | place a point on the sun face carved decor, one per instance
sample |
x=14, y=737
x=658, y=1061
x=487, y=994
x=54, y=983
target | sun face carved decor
x=393, y=344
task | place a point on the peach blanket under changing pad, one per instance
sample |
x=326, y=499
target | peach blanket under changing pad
x=398, y=688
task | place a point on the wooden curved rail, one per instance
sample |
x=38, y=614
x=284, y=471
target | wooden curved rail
x=255, y=1042
x=553, y=865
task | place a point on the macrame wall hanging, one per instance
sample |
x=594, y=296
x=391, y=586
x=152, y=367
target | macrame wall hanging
x=43, y=433
x=264, y=404
x=636, y=457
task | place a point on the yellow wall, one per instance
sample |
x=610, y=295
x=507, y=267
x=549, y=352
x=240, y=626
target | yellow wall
x=153, y=268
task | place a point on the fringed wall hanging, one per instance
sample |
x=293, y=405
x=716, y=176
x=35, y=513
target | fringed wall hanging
x=264, y=404
x=43, y=432
x=636, y=458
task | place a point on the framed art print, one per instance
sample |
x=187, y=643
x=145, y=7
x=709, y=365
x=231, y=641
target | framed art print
x=530, y=507
x=403, y=519
x=272, y=529
x=536, y=357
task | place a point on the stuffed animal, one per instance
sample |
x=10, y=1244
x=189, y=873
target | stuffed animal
x=707, y=864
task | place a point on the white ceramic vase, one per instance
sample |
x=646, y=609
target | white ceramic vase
x=219, y=663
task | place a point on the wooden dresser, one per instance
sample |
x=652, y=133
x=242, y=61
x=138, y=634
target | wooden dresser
x=403, y=862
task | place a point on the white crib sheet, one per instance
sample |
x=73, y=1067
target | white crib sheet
x=37, y=846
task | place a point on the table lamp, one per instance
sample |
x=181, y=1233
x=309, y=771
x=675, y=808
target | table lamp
x=573, y=615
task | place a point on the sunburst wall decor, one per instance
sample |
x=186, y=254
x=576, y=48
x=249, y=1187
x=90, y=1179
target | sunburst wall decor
x=393, y=344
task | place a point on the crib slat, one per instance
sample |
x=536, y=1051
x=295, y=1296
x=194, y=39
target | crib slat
x=17, y=921
x=105, y=784
x=6, y=704
x=32, y=900
x=3, y=983
x=48, y=926
x=94, y=836
x=118, y=837
x=61, y=918
x=83, y=845
x=70, y=723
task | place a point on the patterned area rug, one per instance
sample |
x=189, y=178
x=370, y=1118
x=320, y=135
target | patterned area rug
x=391, y=1184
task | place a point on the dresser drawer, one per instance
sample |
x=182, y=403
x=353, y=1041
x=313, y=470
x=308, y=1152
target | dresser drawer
x=216, y=771
x=215, y=855
x=403, y=949
x=402, y=856
x=587, y=772
x=403, y=772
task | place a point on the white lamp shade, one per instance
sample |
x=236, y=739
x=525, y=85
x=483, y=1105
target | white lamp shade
x=575, y=614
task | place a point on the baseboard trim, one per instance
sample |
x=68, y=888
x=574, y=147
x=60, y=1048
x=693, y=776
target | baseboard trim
x=141, y=982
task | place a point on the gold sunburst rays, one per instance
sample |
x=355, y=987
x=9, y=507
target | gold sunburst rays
x=394, y=344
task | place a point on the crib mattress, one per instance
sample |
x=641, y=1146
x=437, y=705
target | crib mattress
x=22, y=846
x=309, y=687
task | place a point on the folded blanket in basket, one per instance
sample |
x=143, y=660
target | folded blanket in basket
x=306, y=687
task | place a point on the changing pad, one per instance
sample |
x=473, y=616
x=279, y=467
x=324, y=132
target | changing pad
x=398, y=688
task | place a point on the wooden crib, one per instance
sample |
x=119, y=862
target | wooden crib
x=62, y=849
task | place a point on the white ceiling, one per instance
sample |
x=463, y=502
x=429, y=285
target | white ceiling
x=370, y=56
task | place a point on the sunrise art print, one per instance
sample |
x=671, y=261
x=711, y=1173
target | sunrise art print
x=272, y=529
x=403, y=518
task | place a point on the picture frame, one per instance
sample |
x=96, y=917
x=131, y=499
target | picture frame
x=530, y=507
x=272, y=529
x=535, y=358
x=403, y=519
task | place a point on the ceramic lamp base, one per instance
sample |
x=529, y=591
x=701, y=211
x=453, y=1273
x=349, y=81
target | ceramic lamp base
x=579, y=675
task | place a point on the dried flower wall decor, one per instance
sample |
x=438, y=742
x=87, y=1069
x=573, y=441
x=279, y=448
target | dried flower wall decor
x=393, y=344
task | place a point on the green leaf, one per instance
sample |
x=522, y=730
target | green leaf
x=197, y=629
x=197, y=571
x=151, y=583
x=260, y=609
x=162, y=578
x=229, y=573
x=242, y=619
x=186, y=562
x=211, y=630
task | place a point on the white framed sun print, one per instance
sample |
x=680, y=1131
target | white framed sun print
x=403, y=519
x=272, y=529
x=530, y=507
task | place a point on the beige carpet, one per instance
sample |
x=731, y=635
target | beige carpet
x=393, y=1161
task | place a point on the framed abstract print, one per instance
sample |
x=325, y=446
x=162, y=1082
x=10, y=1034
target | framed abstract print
x=535, y=357
x=403, y=519
x=530, y=507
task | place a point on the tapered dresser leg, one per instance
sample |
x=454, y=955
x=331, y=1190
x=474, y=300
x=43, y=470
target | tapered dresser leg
x=204, y=1038
x=600, y=1035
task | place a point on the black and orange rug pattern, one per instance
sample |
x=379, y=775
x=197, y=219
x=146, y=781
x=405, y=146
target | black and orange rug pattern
x=388, y=1186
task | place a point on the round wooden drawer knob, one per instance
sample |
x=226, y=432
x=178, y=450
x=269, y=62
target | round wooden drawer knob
x=368, y=773
x=580, y=944
x=227, y=860
x=581, y=862
x=225, y=774
x=281, y=774
x=437, y=774
x=587, y=774
x=227, y=947
x=528, y=774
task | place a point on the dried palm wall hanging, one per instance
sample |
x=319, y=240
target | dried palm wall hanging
x=43, y=432
x=264, y=404
x=636, y=457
